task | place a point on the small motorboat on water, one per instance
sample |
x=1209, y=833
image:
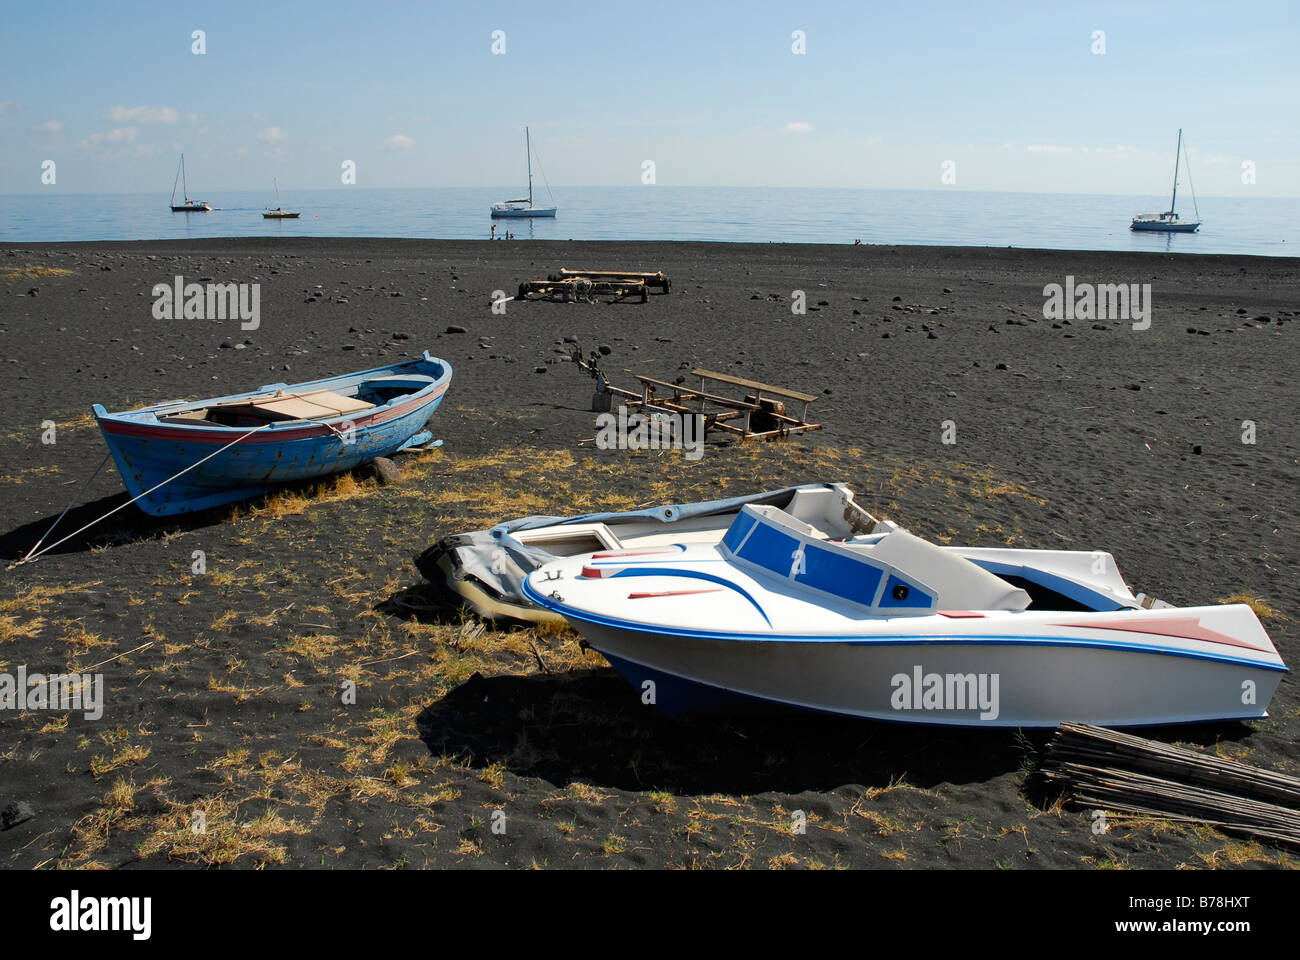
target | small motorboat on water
x=486, y=568
x=886, y=625
x=189, y=455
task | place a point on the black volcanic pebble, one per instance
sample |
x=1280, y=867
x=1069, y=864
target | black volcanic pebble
x=605, y=350
x=456, y=329
x=14, y=814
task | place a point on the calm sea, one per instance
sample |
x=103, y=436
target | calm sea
x=967, y=218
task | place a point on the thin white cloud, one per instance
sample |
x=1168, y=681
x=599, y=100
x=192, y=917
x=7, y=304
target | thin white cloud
x=192, y=118
x=272, y=135
x=399, y=141
x=116, y=135
x=8, y=105
x=1119, y=151
x=50, y=126
x=798, y=126
x=146, y=114
x=1047, y=148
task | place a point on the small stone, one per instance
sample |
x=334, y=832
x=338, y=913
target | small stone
x=386, y=471
x=456, y=329
x=1000, y=366
x=605, y=350
x=14, y=814
x=539, y=370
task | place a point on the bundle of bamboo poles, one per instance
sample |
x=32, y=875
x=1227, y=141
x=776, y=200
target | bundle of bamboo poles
x=1116, y=771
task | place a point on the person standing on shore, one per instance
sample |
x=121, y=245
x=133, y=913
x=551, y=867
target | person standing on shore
x=494, y=231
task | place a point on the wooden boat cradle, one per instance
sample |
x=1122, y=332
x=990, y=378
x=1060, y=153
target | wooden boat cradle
x=761, y=415
x=583, y=286
x=655, y=278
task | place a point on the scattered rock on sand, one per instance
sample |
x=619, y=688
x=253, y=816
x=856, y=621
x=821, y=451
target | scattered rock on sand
x=14, y=814
x=386, y=471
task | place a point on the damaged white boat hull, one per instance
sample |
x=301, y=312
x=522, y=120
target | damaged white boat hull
x=888, y=626
x=929, y=675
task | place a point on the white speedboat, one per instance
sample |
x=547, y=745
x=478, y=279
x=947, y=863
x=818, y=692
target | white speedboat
x=486, y=568
x=889, y=626
x=523, y=207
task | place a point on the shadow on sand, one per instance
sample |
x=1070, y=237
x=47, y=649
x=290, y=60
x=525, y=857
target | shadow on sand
x=590, y=726
x=126, y=526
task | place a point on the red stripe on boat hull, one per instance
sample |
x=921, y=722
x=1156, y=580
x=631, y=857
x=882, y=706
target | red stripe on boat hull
x=182, y=433
x=1182, y=628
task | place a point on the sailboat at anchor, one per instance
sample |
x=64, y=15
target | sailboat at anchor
x=279, y=213
x=1168, y=222
x=523, y=207
x=189, y=206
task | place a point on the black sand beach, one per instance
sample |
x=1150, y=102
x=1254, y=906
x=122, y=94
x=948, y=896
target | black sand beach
x=223, y=687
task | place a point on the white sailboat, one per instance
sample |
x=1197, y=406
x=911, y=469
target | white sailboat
x=1168, y=222
x=189, y=206
x=523, y=207
x=279, y=213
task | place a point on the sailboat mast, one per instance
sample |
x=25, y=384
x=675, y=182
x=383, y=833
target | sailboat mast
x=1177, y=154
x=185, y=187
x=528, y=148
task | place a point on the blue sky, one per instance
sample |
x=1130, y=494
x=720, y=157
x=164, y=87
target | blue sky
x=1011, y=93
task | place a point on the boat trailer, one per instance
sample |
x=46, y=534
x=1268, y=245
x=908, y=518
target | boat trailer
x=762, y=414
x=585, y=286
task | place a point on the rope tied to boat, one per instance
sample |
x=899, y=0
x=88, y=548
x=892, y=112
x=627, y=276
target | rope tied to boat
x=34, y=555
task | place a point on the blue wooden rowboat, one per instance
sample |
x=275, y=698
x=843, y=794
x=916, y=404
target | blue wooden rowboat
x=184, y=456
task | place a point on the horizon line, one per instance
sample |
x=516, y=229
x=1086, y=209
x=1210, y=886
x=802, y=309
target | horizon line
x=680, y=186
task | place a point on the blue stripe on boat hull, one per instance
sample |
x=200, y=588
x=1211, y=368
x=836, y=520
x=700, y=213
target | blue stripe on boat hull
x=677, y=695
